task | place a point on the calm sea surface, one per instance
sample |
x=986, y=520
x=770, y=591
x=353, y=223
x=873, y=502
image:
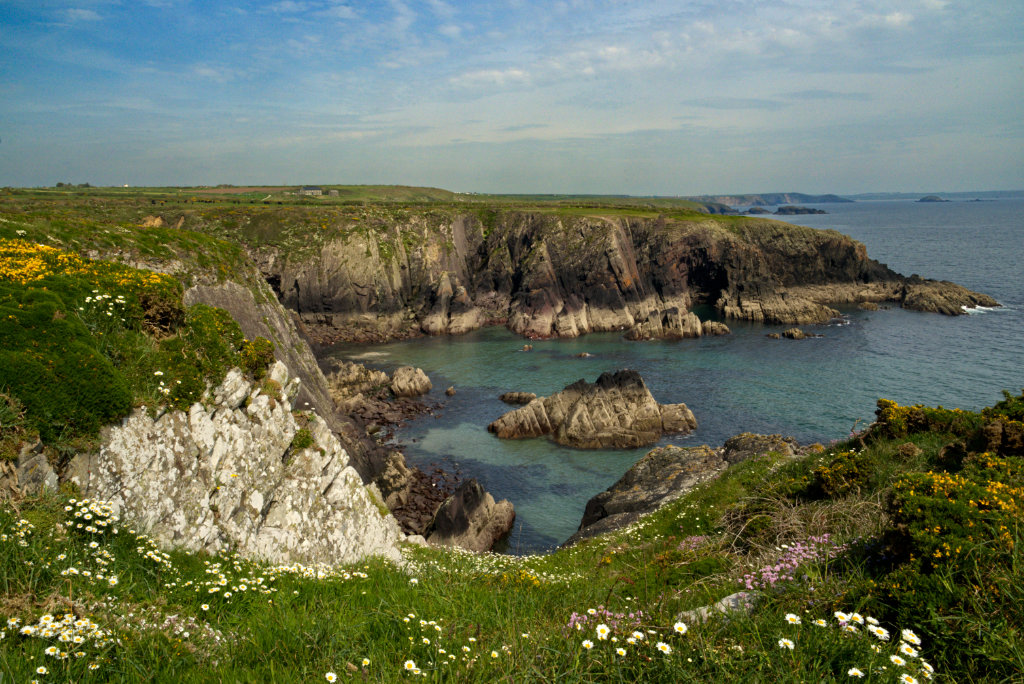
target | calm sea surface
x=814, y=390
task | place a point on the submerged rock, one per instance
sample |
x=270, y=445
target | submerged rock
x=471, y=519
x=518, y=397
x=616, y=412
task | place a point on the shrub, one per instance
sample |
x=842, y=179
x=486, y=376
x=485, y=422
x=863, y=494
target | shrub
x=303, y=439
x=51, y=362
x=256, y=355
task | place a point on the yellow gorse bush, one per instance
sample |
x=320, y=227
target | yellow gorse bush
x=23, y=262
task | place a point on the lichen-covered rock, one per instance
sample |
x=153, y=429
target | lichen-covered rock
x=616, y=412
x=409, y=382
x=471, y=519
x=227, y=477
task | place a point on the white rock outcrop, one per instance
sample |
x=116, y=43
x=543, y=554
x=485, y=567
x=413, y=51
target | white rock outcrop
x=224, y=475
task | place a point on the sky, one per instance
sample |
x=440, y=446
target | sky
x=518, y=96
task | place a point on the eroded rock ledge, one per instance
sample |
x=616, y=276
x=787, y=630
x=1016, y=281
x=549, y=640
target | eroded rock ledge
x=616, y=412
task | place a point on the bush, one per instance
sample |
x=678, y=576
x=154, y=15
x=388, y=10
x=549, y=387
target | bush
x=303, y=439
x=51, y=362
x=256, y=355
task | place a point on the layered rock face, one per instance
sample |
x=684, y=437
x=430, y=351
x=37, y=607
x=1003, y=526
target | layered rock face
x=616, y=412
x=228, y=476
x=665, y=474
x=471, y=519
x=550, y=275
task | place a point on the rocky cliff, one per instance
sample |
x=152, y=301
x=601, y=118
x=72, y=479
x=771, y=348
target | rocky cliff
x=240, y=472
x=547, y=274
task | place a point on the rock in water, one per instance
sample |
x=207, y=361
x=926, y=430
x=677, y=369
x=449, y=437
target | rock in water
x=665, y=474
x=471, y=519
x=518, y=397
x=616, y=412
x=409, y=382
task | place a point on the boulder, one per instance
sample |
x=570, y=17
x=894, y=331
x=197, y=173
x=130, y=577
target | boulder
x=409, y=382
x=470, y=519
x=450, y=392
x=664, y=474
x=518, y=397
x=667, y=473
x=794, y=334
x=616, y=412
x=941, y=297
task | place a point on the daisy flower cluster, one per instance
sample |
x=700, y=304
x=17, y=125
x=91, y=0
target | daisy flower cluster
x=622, y=634
x=885, y=652
x=22, y=529
x=426, y=643
x=70, y=638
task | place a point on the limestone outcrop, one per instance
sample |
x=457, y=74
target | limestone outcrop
x=240, y=472
x=471, y=519
x=616, y=412
x=665, y=474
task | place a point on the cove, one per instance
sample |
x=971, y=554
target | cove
x=815, y=390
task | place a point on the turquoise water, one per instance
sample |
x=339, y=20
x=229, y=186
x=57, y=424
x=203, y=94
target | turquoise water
x=814, y=390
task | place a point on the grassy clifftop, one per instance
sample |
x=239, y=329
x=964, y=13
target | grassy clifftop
x=894, y=555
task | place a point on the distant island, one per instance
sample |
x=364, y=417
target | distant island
x=932, y=198
x=771, y=199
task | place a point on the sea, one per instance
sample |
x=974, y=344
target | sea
x=815, y=390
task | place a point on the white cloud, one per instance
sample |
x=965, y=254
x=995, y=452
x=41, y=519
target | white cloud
x=77, y=14
x=450, y=30
x=482, y=77
x=289, y=7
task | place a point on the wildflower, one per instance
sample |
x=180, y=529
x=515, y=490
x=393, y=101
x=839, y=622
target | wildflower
x=366, y=661
x=855, y=672
x=413, y=580
x=907, y=679
x=494, y=654
x=680, y=628
x=820, y=623
x=409, y=665
x=910, y=637
x=880, y=632
x=588, y=644
x=908, y=650
x=331, y=677
x=792, y=619
x=872, y=621
x=638, y=636
x=620, y=651
x=603, y=631
x=41, y=670
x=786, y=643
x=858, y=618
x=664, y=648
x=841, y=616
x=205, y=606
x=896, y=660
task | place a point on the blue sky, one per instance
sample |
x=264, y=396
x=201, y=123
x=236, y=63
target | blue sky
x=668, y=98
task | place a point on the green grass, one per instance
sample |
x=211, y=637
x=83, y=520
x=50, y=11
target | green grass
x=447, y=611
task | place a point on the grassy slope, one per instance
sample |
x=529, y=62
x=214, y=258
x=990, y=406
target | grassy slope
x=922, y=538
